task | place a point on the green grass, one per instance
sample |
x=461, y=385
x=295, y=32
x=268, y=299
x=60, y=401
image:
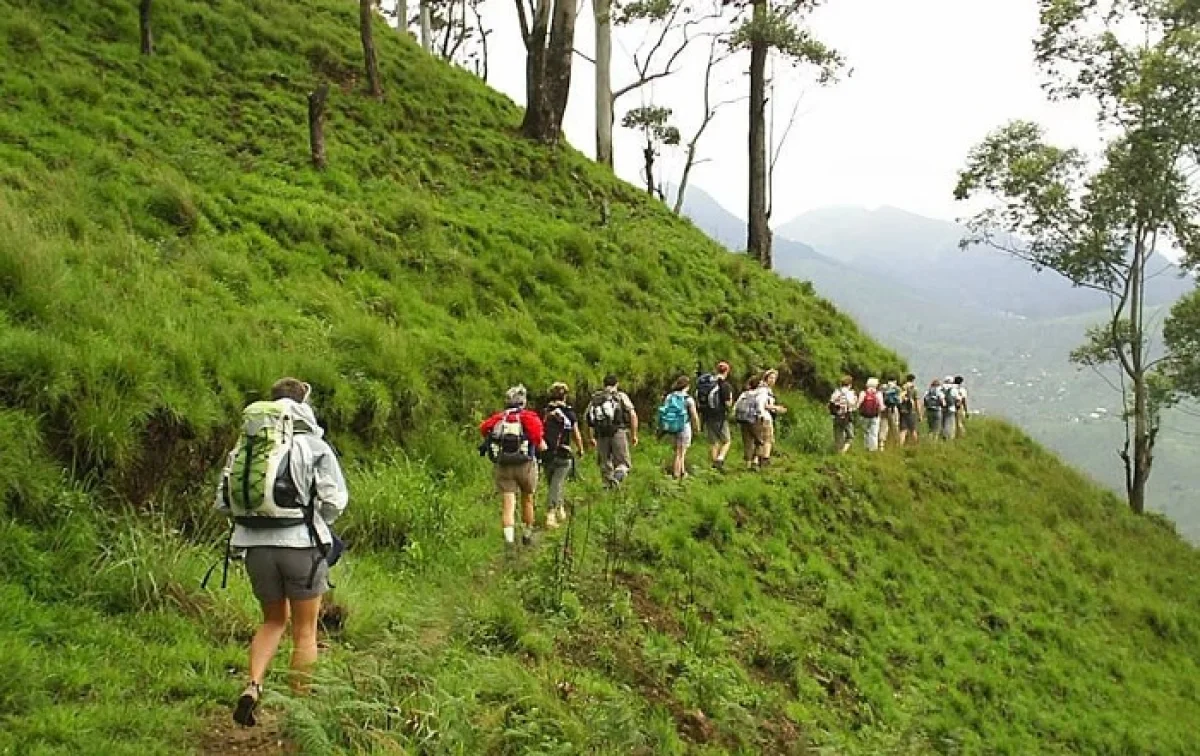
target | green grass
x=166, y=252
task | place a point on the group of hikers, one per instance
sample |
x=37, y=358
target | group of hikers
x=897, y=411
x=519, y=440
x=283, y=487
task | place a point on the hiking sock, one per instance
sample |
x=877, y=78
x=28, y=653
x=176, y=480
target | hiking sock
x=509, y=534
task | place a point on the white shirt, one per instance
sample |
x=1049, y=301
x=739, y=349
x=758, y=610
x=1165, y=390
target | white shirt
x=763, y=397
x=846, y=396
x=952, y=396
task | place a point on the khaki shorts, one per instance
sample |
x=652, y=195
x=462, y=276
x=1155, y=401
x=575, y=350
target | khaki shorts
x=277, y=573
x=752, y=440
x=522, y=479
x=717, y=430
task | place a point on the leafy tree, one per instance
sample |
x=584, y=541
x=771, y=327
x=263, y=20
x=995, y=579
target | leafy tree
x=655, y=124
x=1100, y=222
x=548, y=30
x=774, y=28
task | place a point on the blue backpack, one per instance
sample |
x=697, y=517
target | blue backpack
x=673, y=414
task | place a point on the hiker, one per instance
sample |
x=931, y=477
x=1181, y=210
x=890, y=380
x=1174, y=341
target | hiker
x=677, y=417
x=934, y=402
x=715, y=397
x=960, y=422
x=889, y=426
x=841, y=409
x=910, y=411
x=561, y=429
x=768, y=408
x=871, y=408
x=513, y=439
x=746, y=413
x=950, y=410
x=282, y=486
x=612, y=431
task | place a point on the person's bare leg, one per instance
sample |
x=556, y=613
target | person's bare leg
x=304, y=642
x=266, y=640
x=508, y=510
x=527, y=509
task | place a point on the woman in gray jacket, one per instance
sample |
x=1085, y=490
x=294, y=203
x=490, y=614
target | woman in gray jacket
x=282, y=500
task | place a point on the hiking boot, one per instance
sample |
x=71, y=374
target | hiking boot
x=764, y=463
x=719, y=465
x=243, y=713
x=527, y=538
x=551, y=520
x=562, y=515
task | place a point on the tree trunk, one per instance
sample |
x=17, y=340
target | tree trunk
x=1138, y=468
x=548, y=69
x=402, y=15
x=144, y=27
x=366, y=9
x=426, y=27
x=604, y=99
x=648, y=156
x=535, y=72
x=758, y=237
x=316, y=124
x=560, y=53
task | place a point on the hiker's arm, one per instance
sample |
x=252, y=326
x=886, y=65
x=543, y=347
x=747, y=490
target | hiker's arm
x=578, y=439
x=695, y=416
x=332, y=494
x=535, y=429
x=633, y=426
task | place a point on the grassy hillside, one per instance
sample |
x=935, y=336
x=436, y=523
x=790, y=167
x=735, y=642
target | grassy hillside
x=166, y=251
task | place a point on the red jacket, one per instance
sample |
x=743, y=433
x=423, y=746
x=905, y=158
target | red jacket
x=529, y=420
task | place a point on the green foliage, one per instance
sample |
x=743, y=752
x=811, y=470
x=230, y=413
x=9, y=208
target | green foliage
x=655, y=123
x=776, y=26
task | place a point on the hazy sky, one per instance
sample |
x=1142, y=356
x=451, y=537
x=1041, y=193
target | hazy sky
x=930, y=79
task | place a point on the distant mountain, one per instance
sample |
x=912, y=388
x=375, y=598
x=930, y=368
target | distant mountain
x=921, y=255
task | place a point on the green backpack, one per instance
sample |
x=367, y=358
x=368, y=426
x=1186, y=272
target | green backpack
x=260, y=489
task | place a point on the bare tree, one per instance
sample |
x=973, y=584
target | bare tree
x=366, y=10
x=711, y=109
x=548, y=30
x=316, y=124
x=656, y=58
x=147, y=36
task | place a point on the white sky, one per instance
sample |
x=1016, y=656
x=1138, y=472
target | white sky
x=930, y=79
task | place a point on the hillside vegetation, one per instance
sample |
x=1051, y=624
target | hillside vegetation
x=166, y=251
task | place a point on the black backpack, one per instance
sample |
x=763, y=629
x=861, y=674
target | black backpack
x=708, y=395
x=558, y=430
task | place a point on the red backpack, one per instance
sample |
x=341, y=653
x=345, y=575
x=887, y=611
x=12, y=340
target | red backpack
x=871, y=405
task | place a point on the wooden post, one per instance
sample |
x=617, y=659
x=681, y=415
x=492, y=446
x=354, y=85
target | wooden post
x=144, y=27
x=316, y=124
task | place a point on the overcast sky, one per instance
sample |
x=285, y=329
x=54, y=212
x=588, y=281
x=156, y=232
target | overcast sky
x=930, y=79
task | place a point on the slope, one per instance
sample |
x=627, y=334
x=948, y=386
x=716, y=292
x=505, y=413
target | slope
x=166, y=251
